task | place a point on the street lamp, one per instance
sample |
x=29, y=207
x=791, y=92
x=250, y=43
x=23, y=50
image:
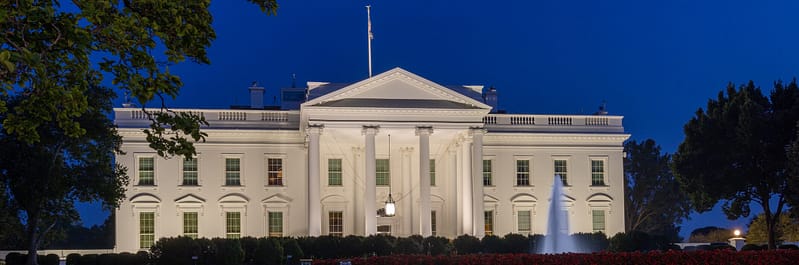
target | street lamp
x=737, y=233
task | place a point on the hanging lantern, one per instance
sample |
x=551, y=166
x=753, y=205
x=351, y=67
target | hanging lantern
x=390, y=207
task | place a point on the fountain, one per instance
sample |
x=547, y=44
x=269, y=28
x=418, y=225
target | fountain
x=557, y=239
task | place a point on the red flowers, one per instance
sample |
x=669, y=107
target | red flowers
x=654, y=257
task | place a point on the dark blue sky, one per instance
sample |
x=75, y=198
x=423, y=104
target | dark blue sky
x=654, y=62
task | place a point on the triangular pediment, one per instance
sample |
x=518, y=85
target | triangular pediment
x=190, y=199
x=398, y=88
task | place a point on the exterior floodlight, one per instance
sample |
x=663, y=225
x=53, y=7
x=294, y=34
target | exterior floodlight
x=737, y=232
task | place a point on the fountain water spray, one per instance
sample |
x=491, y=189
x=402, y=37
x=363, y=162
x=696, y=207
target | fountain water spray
x=557, y=239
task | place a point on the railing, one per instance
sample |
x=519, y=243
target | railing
x=134, y=117
x=510, y=121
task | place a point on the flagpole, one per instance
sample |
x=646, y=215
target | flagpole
x=369, y=36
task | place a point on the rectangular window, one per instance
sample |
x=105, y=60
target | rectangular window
x=384, y=230
x=334, y=172
x=489, y=222
x=487, y=178
x=523, y=222
x=598, y=217
x=275, y=224
x=335, y=224
x=232, y=171
x=522, y=172
x=598, y=172
x=190, y=224
x=190, y=172
x=232, y=225
x=146, y=171
x=432, y=172
x=382, y=172
x=274, y=171
x=146, y=229
x=561, y=169
x=433, y=225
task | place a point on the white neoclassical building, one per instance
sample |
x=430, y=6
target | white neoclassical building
x=327, y=160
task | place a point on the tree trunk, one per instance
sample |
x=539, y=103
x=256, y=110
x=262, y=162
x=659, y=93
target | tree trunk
x=33, y=222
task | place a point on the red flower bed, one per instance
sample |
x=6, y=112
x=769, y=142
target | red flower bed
x=672, y=257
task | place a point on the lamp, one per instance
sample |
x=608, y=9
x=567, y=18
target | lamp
x=390, y=207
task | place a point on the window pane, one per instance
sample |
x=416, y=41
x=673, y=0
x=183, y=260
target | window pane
x=561, y=170
x=384, y=230
x=598, y=220
x=190, y=171
x=489, y=222
x=597, y=172
x=233, y=225
x=190, y=224
x=146, y=229
x=336, y=223
x=334, y=172
x=275, y=224
x=232, y=172
x=487, y=178
x=275, y=171
x=432, y=172
x=522, y=172
x=382, y=172
x=146, y=171
x=524, y=222
x=433, y=225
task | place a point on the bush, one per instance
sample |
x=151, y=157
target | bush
x=228, y=251
x=249, y=246
x=380, y=245
x=492, y=244
x=350, y=246
x=72, y=259
x=88, y=259
x=268, y=251
x=108, y=259
x=126, y=258
x=788, y=247
x=14, y=258
x=751, y=247
x=409, y=245
x=466, y=244
x=291, y=249
x=636, y=241
x=436, y=245
x=174, y=251
x=516, y=243
x=307, y=245
x=591, y=242
x=323, y=247
x=50, y=259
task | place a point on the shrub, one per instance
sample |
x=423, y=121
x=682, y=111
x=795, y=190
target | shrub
x=788, y=247
x=268, y=251
x=466, y=244
x=322, y=247
x=409, y=245
x=492, y=244
x=174, y=251
x=207, y=250
x=50, y=259
x=516, y=243
x=126, y=258
x=307, y=245
x=14, y=258
x=380, y=245
x=751, y=247
x=350, y=246
x=248, y=245
x=228, y=251
x=291, y=249
x=636, y=241
x=88, y=259
x=436, y=245
x=108, y=259
x=591, y=242
x=72, y=259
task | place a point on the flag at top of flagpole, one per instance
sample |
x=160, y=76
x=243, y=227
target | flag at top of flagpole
x=369, y=37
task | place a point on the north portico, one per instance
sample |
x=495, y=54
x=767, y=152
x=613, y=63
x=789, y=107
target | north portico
x=326, y=161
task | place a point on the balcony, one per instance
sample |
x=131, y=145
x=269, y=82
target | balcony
x=553, y=123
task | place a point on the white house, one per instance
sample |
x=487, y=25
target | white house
x=328, y=160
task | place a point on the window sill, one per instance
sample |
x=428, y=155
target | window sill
x=231, y=187
x=274, y=187
x=189, y=187
x=145, y=187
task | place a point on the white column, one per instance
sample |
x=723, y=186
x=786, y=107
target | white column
x=466, y=177
x=452, y=194
x=477, y=180
x=369, y=198
x=314, y=203
x=424, y=180
x=406, y=200
x=357, y=157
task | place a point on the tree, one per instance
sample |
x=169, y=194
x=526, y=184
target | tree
x=787, y=229
x=48, y=51
x=735, y=151
x=45, y=178
x=654, y=203
x=709, y=234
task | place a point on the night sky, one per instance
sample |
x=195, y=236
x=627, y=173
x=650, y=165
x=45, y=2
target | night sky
x=653, y=62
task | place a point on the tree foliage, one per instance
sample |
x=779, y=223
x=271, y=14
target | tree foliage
x=786, y=230
x=734, y=151
x=710, y=234
x=55, y=53
x=654, y=203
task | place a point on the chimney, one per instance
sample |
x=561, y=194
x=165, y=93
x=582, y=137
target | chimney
x=256, y=96
x=490, y=98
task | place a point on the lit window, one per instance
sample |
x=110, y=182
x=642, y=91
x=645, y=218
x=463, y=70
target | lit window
x=432, y=172
x=384, y=230
x=190, y=171
x=522, y=172
x=487, y=178
x=335, y=224
x=274, y=171
x=146, y=171
x=489, y=222
x=334, y=172
x=232, y=171
x=598, y=217
x=598, y=172
x=275, y=224
x=190, y=224
x=433, y=225
x=561, y=169
x=523, y=222
x=146, y=229
x=382, y=172
x=233, y=225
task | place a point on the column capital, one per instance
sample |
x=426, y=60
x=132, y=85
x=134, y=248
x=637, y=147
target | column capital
x=315, y=129
x=424, y=130
x=370, y=129
x=477, y=130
